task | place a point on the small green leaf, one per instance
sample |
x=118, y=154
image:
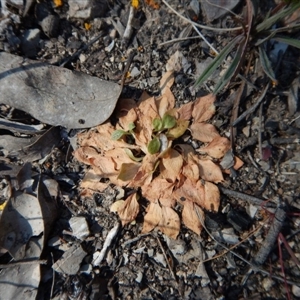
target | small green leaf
x=154, y=145
x=157, y=124
x=131, y=126
x=168, y=121
x=218, y=60
x=131, y=155
x=266, y=64
x=117, y=134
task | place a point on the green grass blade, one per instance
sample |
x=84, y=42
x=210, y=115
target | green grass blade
x=266, y=64
x=269, y=22
x=288, y=41
x=218, y=60
x=231, y=71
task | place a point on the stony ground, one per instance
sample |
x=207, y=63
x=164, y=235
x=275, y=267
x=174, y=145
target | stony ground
x=225, y=261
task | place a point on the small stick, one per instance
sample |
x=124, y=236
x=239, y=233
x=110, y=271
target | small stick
x=129, y=29
x=99, y=256
x=248, y=198
x=199, y=25
x=252, y=108
x=271, y=237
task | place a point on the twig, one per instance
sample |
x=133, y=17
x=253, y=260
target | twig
x=252, y=266
x=205, y=40
x=271, y=237
x=63, y=62
x=245, y=197
x=260, y=131
x=99, y=256
x=166, y=258
x=282, y=141
x=199, y=25
x=134, y=239
x=23, y=262
x=53, y=278
x=179, y=40
x=129, y=29
x=252, y=108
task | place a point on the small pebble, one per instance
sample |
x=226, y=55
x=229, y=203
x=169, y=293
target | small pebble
x=296, y=290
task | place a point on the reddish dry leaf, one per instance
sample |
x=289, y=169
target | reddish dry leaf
x=238, y=163
x=185, y=111
x=169, y=223
x=170, y=165
x=212, y=197
x=190, y=218
x=204, y=108
x=216, y=148
x=152, y=217
x=129, y=209
x=209, y=171
x=204, y=132
x=159, y=189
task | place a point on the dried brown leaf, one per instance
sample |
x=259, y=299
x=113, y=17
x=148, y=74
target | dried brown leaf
x=216, y=148
x=190, y=218
x=129, y=209
x=166, y=102
x=159, y=189
x=166, y=81
x=128, y=171
x=212, y=197
x=190, y=191
x=170, y=165
x=209, y=171
x=145, y=173
x=91, y=181
x=204, y=108
x=169, y=223
x=204, y=132
x=152, y=217
x=185, y=111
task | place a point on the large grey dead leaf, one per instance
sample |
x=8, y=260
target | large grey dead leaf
x=20, y=282
x=55, y=95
